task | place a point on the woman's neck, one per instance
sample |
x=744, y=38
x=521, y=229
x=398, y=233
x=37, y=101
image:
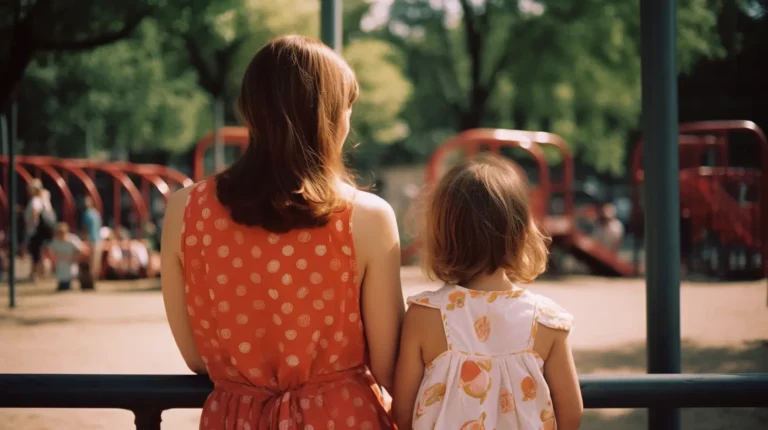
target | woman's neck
x=496, y=281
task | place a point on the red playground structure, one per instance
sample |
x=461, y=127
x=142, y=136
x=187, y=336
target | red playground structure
x=720, y=205
x=722, y=230
x=125, y=194
x=230, y=136
x=552, y=201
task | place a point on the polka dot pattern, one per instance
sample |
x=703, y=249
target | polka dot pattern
x=277, y=310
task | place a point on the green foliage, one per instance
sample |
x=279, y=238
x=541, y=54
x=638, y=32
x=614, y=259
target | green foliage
x=572, y=68
x=122, y=96
x=429, y=70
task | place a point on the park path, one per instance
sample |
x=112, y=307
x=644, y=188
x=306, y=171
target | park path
x=122, y=329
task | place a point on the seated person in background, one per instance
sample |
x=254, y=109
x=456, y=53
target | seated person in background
x=152, y=268
x=150, y=236
x=139, y=255
x=116, y=264
x=65, y=249
x=609, y=231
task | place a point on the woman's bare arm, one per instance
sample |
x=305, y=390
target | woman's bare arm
x=172, y=281
x=377, y=244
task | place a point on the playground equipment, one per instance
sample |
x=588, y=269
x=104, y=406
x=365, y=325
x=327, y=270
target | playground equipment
x=552, y=202
x=722, y=231
x=230, y=136
x=103, y=182
x=124, y=178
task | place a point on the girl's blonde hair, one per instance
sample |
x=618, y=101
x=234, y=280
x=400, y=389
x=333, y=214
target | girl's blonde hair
x=478, y=220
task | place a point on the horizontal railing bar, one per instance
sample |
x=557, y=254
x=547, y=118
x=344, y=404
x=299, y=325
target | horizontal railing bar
x=137, y=392
x=675, y=391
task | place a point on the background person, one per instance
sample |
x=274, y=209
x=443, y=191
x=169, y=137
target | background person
x=37, y=230
x=65, y=249
x=609, y=231
x=92, y=224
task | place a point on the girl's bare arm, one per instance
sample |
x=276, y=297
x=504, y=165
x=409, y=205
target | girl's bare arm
x=560, y=374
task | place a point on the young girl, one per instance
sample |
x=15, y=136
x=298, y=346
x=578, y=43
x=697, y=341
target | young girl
x=482, y=352
x=65, y=248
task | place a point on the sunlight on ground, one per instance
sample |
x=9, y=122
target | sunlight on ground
x=121, y=328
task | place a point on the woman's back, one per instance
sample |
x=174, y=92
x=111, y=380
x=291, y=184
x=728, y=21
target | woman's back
x=277, y=321
x=267, y=286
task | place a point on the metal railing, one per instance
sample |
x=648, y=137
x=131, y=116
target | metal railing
x=147, y=396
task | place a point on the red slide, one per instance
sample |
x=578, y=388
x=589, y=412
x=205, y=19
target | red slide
x=705, y=198
x=600, y=260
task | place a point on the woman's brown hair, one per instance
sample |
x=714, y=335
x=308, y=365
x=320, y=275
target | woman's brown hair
x=478, y=220
x=294, y=98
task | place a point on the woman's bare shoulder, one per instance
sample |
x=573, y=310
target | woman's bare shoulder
x=368, y=204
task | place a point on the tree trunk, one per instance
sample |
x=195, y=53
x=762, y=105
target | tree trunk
x=19, y=56
x=218, y=141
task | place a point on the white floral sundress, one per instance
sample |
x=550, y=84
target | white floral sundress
x=490, y=377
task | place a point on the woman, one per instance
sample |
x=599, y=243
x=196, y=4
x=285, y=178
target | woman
x=38, y=229
x=281, y=281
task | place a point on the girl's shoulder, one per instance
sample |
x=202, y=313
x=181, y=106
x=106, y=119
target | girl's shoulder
x=432, y=298
x=551, y=314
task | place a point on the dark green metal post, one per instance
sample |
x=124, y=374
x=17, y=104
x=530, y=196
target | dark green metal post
x=662, y=196
x=12, y=198
x=330, y=23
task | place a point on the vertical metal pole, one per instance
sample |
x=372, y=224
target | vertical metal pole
x=218, y=123
x=662, y=195
x=330, y=23
x=12, y=198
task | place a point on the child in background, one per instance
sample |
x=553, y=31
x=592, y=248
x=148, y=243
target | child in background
x=65, y=249
x=483, y=352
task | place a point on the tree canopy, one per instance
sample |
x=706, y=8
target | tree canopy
x=142, y=76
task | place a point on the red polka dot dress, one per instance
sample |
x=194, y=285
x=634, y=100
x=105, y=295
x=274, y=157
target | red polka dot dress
x=277, y=321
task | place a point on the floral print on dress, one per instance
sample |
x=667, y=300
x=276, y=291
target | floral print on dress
x=456, y=300
x=490, y=377
x=482, y=328
x=475, y=380
x=506, y=402
x=528, y=385
x=478, y=424
x=548, y=419
x=433, y=394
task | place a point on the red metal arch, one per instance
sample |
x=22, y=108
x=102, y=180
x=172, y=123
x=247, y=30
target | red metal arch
x=67, y=168
x=120, y=180
x=691, y=148
x=20, y=170
x=236, y=136
x=565, y=186
x=68, y=204
x=718, y=129
x=169, y=175
x=472, y=140
x=148, y=176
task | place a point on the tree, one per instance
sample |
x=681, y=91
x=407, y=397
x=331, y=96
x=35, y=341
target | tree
x=37, y=26
x=568, y=67
x=222, y=39
x=211, y=34
x=119, y=97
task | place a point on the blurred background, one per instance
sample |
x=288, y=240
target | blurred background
x=124, y=102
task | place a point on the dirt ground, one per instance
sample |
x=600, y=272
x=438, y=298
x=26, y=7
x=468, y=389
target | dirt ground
x=121, y=329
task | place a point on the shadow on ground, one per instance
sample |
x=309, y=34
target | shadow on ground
x=31, y=321
x=750, y=357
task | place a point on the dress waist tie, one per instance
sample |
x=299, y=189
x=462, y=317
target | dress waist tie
x=281, y=409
